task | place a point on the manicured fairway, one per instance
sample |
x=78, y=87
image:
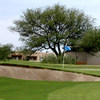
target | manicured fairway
x=13, y=89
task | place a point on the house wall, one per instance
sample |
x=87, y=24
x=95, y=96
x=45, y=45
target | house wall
x=39, y=56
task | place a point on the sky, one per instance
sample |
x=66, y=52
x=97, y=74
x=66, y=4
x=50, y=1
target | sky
x=11, y=10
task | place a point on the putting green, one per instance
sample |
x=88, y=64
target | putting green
x=13, y=89
x=86, y=91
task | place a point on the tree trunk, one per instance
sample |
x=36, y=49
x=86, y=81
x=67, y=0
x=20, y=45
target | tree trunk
x=60, y=58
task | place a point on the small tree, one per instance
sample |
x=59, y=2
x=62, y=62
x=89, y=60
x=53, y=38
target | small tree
x=5, y=51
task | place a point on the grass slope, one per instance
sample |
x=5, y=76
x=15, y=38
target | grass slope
x=13, y=89
x=85, y=69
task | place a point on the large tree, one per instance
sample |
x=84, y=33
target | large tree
x=52, y=27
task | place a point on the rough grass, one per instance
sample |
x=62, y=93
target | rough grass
x=14, y=89
x=93, y=70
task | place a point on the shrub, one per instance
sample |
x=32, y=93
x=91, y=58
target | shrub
x=50, y=58
x=69, y=60
x=27, y=58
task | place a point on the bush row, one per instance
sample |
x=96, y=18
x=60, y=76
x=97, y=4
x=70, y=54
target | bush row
x=54, y=60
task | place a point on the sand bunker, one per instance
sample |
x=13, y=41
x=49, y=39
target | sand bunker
x=43, y=74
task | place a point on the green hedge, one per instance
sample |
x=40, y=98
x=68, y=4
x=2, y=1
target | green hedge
x=51, y=58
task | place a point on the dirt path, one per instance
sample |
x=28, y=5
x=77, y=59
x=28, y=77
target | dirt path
x=43, y=74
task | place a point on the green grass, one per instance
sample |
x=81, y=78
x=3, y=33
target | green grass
x=81, y=91
x=14, y=89
x=85, y=69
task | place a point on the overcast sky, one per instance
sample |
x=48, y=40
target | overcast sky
x=11, y=10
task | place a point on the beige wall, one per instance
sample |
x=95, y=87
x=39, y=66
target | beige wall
x=93, y=59
x=81, y=57
x=85, y=58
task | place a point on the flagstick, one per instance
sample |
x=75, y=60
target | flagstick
x=66, y=48
x=63, y=59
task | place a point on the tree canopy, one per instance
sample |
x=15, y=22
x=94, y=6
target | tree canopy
x=91, y=41
x=52, y=27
